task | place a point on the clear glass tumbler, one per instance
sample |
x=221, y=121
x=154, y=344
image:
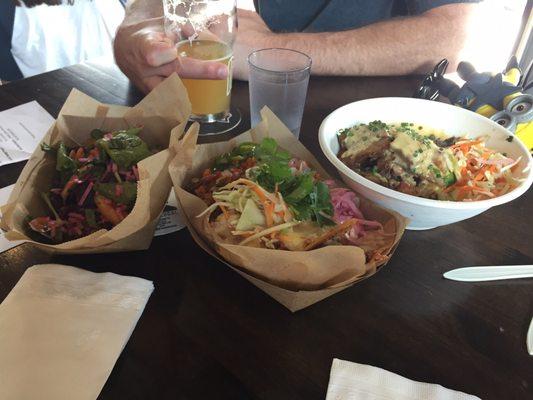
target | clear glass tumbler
x=278, y=79
x=205, y=30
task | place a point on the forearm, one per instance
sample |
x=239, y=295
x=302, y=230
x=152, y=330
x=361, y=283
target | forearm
x=141, y=10
x=394, y=47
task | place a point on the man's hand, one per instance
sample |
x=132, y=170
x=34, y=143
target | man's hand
x=147, y=56
x=253, y=34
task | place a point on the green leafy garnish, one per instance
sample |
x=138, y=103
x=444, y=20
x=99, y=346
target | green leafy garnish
x=268, y=151
x=304, y=186
x=125, y=148
x=96, y=170
x=47, y=148
x=345, y=131
x=48, y=203
x=273, y=173
x=102, y=155
x=449, y=179
x=90, y=216
x=128, y=192
x=321, y=204
x=377, y=125
x=234, y=157
x=64, y=164
x=307, y=197
x=435, y=170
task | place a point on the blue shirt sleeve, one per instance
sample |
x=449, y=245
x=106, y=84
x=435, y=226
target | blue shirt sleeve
x=416, y=7
x=338, y=15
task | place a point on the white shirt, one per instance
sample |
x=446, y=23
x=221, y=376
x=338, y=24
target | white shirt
x=50, y=37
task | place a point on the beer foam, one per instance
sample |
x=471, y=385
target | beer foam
x=186, y=19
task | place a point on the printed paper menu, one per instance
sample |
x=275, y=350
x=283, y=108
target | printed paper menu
x=21, y=130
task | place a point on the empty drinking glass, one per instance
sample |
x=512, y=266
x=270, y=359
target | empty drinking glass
x=278, y=79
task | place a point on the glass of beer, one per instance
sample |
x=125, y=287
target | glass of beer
x=205, y=31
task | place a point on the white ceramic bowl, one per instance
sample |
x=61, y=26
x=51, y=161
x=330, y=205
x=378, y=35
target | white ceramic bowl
x=454, y=121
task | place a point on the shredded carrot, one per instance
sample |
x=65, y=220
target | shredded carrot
x=243, y=233
x=461, y=194
x=258, y=191
x=224, y=211
x=69, y=185
x=480, y=175
x=467, y=144
x=449, y=189
x=479, y=178
x=269, y=210
x=462, y=191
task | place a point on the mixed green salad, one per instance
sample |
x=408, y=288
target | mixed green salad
x=94, y=187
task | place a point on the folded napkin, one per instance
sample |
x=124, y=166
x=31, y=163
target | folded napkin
x=62, y=330
x=352, y=381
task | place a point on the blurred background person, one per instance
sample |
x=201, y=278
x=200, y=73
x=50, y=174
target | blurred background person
x=41, y=35
x=384, y=37
x=343, y=37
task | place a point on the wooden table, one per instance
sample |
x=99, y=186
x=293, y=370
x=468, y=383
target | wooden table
x=207, y=333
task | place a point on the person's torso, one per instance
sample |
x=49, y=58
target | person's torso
x=49, y=37
x=326, y=15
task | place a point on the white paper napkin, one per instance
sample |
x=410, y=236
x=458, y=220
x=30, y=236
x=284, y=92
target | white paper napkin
x=352, y=381
x=62, y=330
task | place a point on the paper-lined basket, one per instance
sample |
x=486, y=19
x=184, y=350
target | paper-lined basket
x=163, y=114
x=296, y=279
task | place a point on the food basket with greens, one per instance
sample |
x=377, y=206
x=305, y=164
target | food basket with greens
x=87, y=190
x=262, y=204
x=94, y=187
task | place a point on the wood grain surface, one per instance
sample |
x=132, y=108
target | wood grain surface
x=207, y=333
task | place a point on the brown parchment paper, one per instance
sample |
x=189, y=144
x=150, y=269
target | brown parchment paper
x=294, y=278
x=162, y=113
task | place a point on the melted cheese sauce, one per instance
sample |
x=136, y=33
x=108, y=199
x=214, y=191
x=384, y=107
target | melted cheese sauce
x=359, y=138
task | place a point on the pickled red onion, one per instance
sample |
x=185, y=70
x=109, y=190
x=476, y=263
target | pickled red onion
x=346, y=206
